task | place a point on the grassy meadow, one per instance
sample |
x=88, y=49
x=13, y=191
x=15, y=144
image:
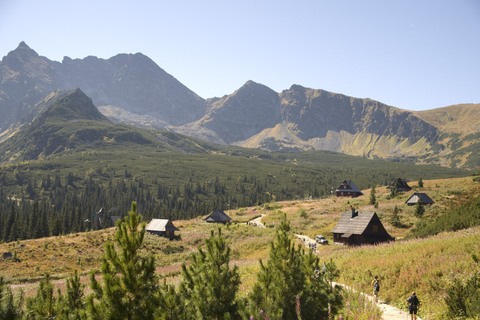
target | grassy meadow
x=427, y=266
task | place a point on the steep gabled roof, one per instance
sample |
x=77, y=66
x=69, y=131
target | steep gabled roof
x=419, y=196
x=161, y=225
x=218, y=216
x=357, y=224
x=400, y=184
x=115, y=218
x=351, y=187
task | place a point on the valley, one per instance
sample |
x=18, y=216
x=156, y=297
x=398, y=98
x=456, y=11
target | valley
x=131, y=89
x=84, y=140
x=440, y=258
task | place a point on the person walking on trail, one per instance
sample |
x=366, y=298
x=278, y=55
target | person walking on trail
x=413, y=305
x=376, y=288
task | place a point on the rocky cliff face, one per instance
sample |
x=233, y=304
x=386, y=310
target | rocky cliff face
x=248, y=111
x=25, y=79
x=127, y=83
x=301, y=118
x=132, y=83
x=131, y=88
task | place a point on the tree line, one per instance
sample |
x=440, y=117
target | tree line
x=289, y=285
x=34, y=206
x=54, y=206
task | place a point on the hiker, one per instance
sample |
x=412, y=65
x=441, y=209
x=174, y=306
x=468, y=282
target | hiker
x=376, y=288
x=324, y=267
x=413, y=305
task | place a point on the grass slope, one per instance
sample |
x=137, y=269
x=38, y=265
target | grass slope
x=427, y=266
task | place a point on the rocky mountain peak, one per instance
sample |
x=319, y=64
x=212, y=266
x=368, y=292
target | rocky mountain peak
x=75, y=105
x=16, y=59
x=296, y=87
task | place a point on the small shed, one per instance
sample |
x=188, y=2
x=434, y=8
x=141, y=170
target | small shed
x=360, y=227
x=162, y=227
x=419, y=197
x=218, y=216
x=348, y=189
x=113, y=219
x=401, y=185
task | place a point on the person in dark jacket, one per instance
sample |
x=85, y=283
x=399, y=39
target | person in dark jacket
x=413, y=305
x=376, y=288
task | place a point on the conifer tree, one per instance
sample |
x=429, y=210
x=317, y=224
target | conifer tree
x=9, y=221
x=209, y=285
x=288, y=274
x=373, y=199
x=395, y=218
x=171, y=305
x=129, y=280
x=419, y=209
x=45, y=304
x=10, y=306
x=420, y=183
x=72, y=304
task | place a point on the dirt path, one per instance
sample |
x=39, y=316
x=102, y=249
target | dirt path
x=257, y=222
x=389, y=312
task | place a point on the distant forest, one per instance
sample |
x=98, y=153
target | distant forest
x=40, y=199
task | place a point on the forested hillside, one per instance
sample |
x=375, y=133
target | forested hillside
x=58, y=196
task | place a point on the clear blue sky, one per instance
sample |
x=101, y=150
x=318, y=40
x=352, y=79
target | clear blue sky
x=415, y=55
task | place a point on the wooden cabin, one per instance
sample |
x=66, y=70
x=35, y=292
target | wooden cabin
x=401, y=185
x=348, y=189
x=419, y=197
x=162, y=227
x=360, y=227
x=218, y=216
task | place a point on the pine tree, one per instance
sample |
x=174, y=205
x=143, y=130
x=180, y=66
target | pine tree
x=129, y=280
x=419, y=209
x=171, y=305
x=373, y=199
x=395, y=218
x=288, y=274
x=209, y=285
x=420, y=183
x=9, y=221
x=72, y=304
x=45, y=304
x=10, y=306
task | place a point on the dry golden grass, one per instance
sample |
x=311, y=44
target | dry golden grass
x=60, y=256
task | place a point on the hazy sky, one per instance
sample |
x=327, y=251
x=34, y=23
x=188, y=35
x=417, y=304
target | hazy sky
x=415, y=55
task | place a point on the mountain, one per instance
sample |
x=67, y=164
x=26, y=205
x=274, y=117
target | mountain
x=129, y=86
x=232, y=118
x=133, y=85
x=301, y=118
x=132, y=89
x=69, y=123
x=25, y=79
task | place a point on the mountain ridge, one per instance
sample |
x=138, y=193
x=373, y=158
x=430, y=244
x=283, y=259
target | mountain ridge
x=132, y=89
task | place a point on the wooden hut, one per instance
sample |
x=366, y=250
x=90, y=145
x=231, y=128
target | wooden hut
x=401, y=185
x=218, y=216
x=419, y=197
x=348, y=189
x=113, y=220
x=162, y=227
x=360, y=227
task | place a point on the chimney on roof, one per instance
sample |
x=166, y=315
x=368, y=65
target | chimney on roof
x=354, y=213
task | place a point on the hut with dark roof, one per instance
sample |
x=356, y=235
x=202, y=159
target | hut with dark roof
x=113, y=219
x=401, y=185
x=162, y=227
x=218, y=216
x=419, y=197
x=348, y=189
x=360, y=227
